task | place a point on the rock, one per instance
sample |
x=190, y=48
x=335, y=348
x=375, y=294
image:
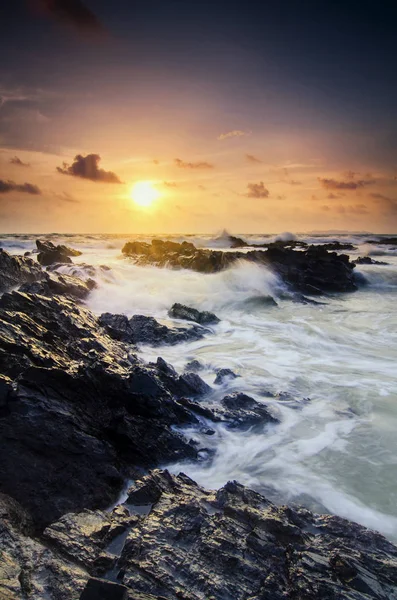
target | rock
x=388, y=241
x=260, y=301
x=223, y=375
x=16, y=270
x=195, y=386
x=60, y=284
x=194, y=366
x=140, y=329
x=100, y=589
x=335, y=246
x=76, y=406
x=30, y=569
x=180, y=311
x=367, y=260
x=50, y=254
x=240, y=545
x=242, y=411
x=313, y=270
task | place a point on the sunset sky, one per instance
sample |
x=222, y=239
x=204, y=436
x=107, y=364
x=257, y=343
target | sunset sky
x=256, y=117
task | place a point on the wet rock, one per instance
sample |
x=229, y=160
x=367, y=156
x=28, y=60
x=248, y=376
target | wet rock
x=30, y=569
x=242, y=411
x=180, y=311
x=388, y=241
x=49, y=254
x=140, y=329
x=100, y=589
x=16, y=270
x=313, y=270
x=241, y=546
x=76, y=406
x=194, y=366
x=367, y=260
x=223, y=375
x=336, y=246
x=260, y=301
x=60, y=284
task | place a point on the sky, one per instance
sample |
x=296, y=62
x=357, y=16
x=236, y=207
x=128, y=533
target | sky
x=255, y=117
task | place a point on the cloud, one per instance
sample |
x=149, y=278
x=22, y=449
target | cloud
x=192, y=165
x=332, y=184
x=17, y=161
x=71, y=12
x=387, y=205
x=11, y=186
x=233, y=133
x=257, y=190
x=87, y=168
x=170, y=184
x=332, y=196
x=65, y=197
x=202, y=187
x=350, y=174
x=252, y=159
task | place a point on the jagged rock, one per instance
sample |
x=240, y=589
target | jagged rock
x=60, y=284
x=180, y=311
x=242, y=411
x=50, y=254
x=309, y=271
x=367, y=260
x=29, y=569
x=78, y=407
x=16, y=270
x=239, y=545
x=223, y=375
x=140, y=329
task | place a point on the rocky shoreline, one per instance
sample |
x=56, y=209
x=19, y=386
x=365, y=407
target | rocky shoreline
x=81, y=414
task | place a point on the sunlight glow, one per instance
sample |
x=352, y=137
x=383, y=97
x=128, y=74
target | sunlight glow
x=144, y=193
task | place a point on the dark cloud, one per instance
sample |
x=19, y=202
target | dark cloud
x=71, y=12
x=252, y=159
x=17, y=161
x=332, y=196
x=11, y=186
x=257, y=190
x=192, y=165
x=333, y=184
x=351, y=174
x=87, y=168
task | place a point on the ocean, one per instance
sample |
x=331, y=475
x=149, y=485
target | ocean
x=328, y=371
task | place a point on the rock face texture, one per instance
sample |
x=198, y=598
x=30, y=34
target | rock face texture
x=50, y=254
x=16, y=270
x=180, y=311
x=310, y=271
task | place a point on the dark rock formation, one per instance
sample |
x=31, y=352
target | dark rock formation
x=16, y=270
x=180, y=311
x=194, y=366
x=242, y=411
x=310, y=271
x=234, y=543
x=50, y=254
x=388, y=241
x=336, y=246
x=367, y=260
x=223, y=375
x=179, y=541
x=140, y=329
x=77, y=408
x=58, y=284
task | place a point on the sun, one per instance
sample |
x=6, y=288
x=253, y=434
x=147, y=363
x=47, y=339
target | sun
x=143, y=193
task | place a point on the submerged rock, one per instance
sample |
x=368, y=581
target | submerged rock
x=180, y=311
x=313, y=270
x=140, y=329
x=367, y=260
x=49, y=254
x=223, y=375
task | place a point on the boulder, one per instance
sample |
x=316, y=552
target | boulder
x=223, y=375
x=140, y=329
x=49, y=254
x=367, y=260
x=180, y=311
